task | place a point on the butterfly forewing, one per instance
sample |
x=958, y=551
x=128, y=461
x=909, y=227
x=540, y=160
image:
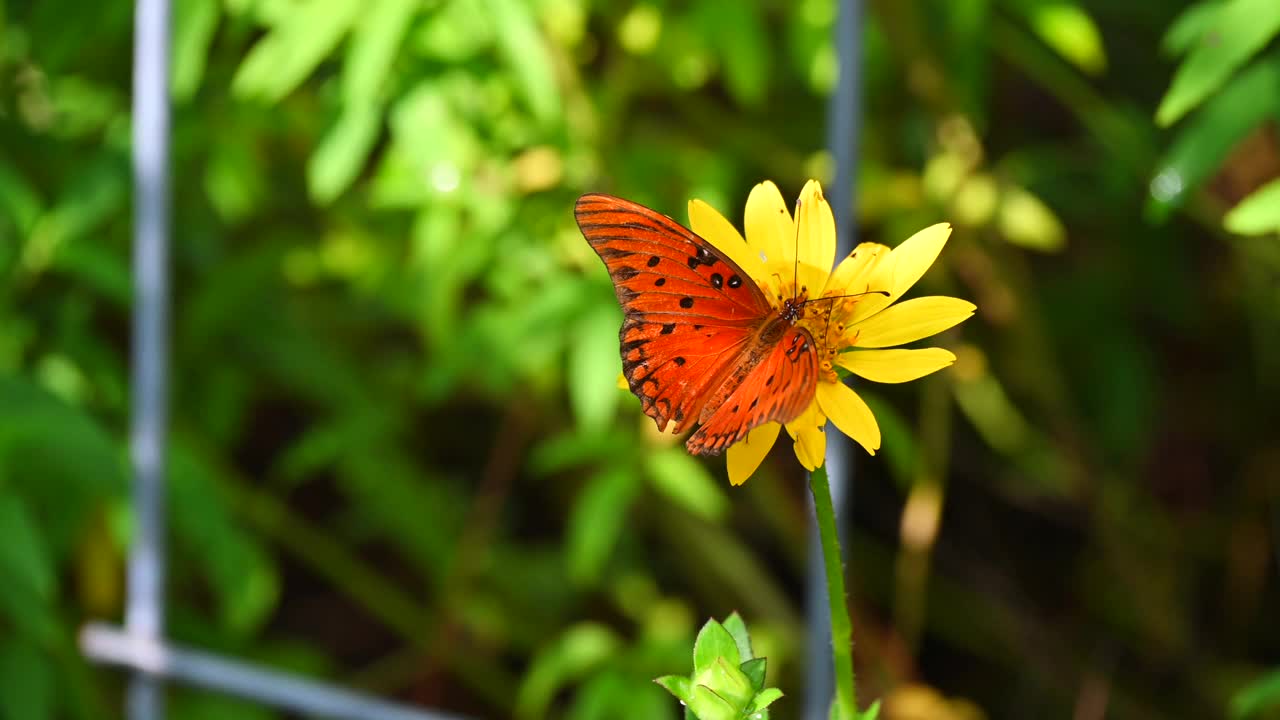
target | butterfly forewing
x=700, y=341
x=689, y=310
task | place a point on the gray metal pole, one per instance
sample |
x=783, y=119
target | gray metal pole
x=144, y=614
x=241, y=679
x=843, y=126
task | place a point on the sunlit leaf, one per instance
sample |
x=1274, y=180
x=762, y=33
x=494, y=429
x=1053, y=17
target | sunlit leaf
x=738, y=629
x=194, y=25
x=1241, y=29
x=1069, y=30
x=1027, y=221
x=1257, y=214
x=374, y=41
x=677, y=685
x=282, y=60
x=343, y=151
x=1202, y=144
x=592, y=365
x=524, y=50
x=714, y=642
x=456, y=31
x=1190, y=26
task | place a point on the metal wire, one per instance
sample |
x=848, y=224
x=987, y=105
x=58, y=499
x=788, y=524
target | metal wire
x=235, y=677
x=144, y=614
x=140, y=646
x=843, y=125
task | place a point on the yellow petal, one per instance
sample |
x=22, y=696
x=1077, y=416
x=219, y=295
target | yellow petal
x=769, y=227
x=851, y=275
x=911, y=320
x=867, y=268
x=712, y=227
x=895, y=366
x=816, y=237
x=809, y=433
x=744, y=456
x=850, y=414
x=622, y=382
x=914, y=256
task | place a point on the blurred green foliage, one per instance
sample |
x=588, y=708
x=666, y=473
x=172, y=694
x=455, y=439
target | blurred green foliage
x=395, y=427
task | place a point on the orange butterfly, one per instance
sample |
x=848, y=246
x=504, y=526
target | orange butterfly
x=700, y=341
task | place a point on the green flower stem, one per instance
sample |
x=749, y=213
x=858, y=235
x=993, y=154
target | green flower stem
x=841, y=625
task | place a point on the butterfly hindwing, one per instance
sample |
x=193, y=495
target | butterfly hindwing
x=777, y=387
x=689, y=311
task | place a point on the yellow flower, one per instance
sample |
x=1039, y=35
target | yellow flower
x=788, y=256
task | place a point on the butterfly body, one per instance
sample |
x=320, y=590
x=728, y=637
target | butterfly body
x=699, y=340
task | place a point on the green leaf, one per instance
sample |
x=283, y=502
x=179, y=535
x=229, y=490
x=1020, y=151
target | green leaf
x=613, y=694
x=737, y=31
x=754, y=669
x=1025, y=220
x=27, y=681
x=24, y=559
x=1257, y=214
x=707, y=705
x=738, y=629
x=1070, y=31
x=19, y=200
x=713, y=642
x=593, y=366
x=194, y=25
x=374, y=42
x=525, y=53
x=596, y=522
x=1205, y=140
x=1259, y=695
x=1241, y=29
x=343, y=151
x=457, y=31
x=686, y=482
x=764, y=699
x=729, y=682
x=244, y=583
x=290, y=52
x=581, y=648
x=871, y=713
x=678, y=685
x=27, y=568
x=1190, y=26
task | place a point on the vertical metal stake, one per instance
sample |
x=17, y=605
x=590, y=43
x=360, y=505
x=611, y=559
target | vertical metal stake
x=843, y=126
x=144, y=614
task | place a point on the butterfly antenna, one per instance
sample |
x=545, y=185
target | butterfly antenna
x=795, y=279
x=850, y=295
